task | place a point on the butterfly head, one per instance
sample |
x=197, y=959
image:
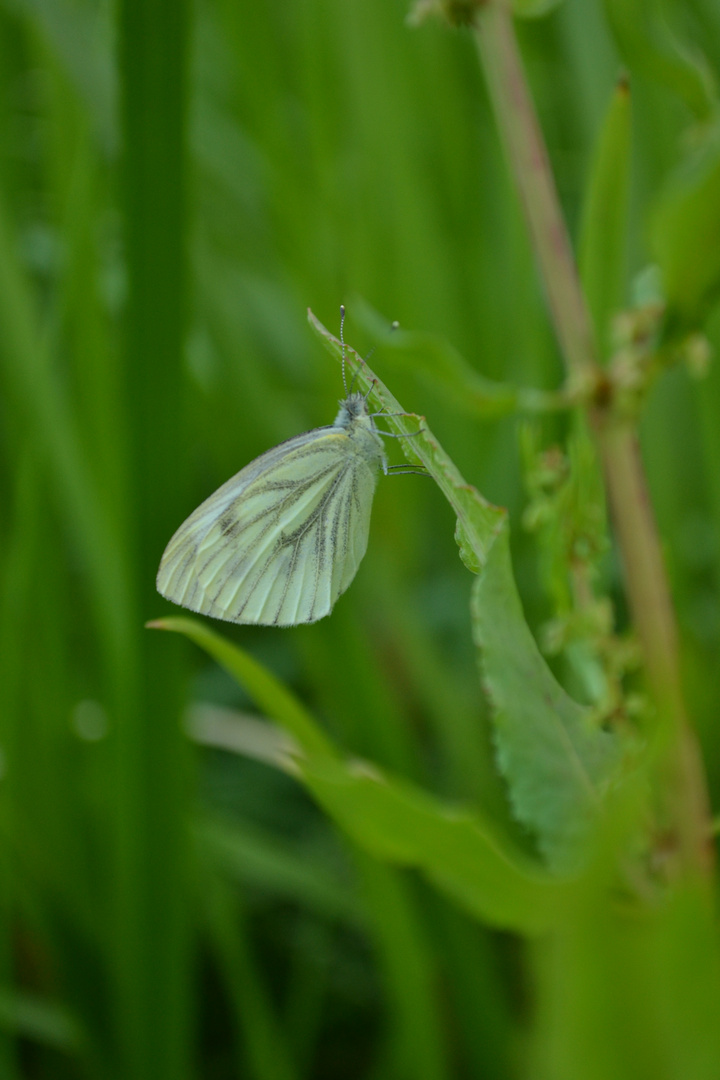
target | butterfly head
x=354, y=411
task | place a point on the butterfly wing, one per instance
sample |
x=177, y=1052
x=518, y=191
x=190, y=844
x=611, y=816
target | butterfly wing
x=280, y=541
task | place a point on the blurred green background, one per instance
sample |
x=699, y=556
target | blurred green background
x=171, y=909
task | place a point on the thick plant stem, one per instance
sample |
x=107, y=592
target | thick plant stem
x=527, y=155
x=685, y=797
x=654, y=618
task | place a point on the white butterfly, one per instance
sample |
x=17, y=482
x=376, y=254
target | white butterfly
x=282, y=540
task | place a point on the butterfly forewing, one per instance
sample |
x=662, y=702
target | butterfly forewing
x=279, y=542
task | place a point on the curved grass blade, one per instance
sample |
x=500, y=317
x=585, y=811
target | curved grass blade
x=459, y=851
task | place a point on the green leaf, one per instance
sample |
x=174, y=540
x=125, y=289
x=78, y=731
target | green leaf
x=685, y=233
x=478, y=519
x=459, y=851
x=30, y=1017
x=651, y=47
x=556, y=764
x=603, y=230
x=269, y=693
x=467, y=550
x=441, y=366
x=456, y=849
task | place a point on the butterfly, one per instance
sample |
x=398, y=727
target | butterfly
x=280, y=542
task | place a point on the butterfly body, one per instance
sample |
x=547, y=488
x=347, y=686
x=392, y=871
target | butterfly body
x=282, y=540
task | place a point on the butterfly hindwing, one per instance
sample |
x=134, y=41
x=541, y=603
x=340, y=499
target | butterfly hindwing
x=279, y=542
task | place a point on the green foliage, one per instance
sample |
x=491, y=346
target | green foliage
x=652, y=44
x=686, y=234
x=556, y=759
x=368, y=892
x=458, y=851
x=603, y=234
x=630, y=987
x=443, y=369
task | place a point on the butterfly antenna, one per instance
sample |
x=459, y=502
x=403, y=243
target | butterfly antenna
x=342, y=346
